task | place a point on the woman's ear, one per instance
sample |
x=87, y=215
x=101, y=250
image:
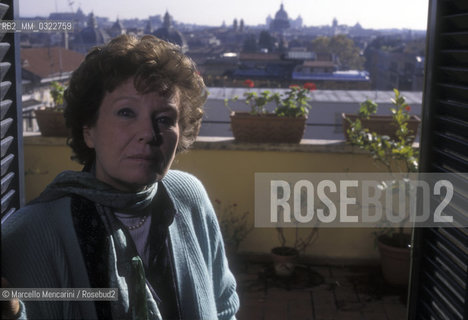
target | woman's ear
x=88, y=136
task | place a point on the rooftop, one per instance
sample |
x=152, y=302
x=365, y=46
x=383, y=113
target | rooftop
x=260, y=56
x=352, y=75
x=49, y=62
x=319, y=63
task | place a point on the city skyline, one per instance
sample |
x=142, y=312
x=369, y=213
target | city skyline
x=371, y=14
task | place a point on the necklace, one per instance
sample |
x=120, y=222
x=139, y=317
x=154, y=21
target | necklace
x=138, y=225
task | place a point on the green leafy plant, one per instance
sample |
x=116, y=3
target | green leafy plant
x=258, y=102
x=293, y=103
x=397, y=155
x=57, y=90
x=387, y=151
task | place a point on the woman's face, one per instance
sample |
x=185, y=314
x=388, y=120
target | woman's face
x=135, y=137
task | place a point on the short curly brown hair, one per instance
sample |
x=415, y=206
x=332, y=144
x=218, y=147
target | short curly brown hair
x=156, y=66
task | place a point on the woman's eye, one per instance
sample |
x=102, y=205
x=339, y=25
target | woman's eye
x=126, y=112
x=167, y=121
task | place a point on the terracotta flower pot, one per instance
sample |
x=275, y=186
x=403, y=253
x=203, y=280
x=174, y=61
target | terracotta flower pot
x=267, y=128
x=51, y=123
x=395, y=263
x=382, y=125
x=284, y=260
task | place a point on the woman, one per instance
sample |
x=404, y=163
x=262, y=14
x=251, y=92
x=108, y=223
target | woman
x=126, y=221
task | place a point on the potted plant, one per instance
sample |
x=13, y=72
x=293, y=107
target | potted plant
x=396, y=155
x=285, y=125
x=50, y=120
x=285, y=257
x=382, y=125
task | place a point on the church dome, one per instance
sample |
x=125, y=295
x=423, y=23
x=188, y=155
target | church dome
x=90, y=36
x=281, y=14
x=281, y=21
x=117, y=29
x=95, y=36
x=168, y=33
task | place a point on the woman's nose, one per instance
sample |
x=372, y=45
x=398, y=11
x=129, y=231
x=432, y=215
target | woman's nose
x=149, y=132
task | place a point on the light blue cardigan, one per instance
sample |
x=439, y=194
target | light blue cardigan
x=40, y=250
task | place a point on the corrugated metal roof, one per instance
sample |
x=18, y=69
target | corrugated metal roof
x=333, y=76
x=345, y=96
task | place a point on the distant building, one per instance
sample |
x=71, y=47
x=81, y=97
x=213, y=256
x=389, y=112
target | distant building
x=90, y=36
x=389, y=70
x=325, y=74
x=334, y=23
x=302, y=54
x=156, y=21
x=281, y=21
x=296, y=23
x=316, y=67
x=148, y=27
x=241, y=25
x=169, y=33
x=342, y=80
x=265, y=66
x=117, y=29
x=217, y=71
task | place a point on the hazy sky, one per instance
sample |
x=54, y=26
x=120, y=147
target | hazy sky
x=369, y=13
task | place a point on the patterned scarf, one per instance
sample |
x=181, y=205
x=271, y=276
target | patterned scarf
x=125, y=267
x=87, y=186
